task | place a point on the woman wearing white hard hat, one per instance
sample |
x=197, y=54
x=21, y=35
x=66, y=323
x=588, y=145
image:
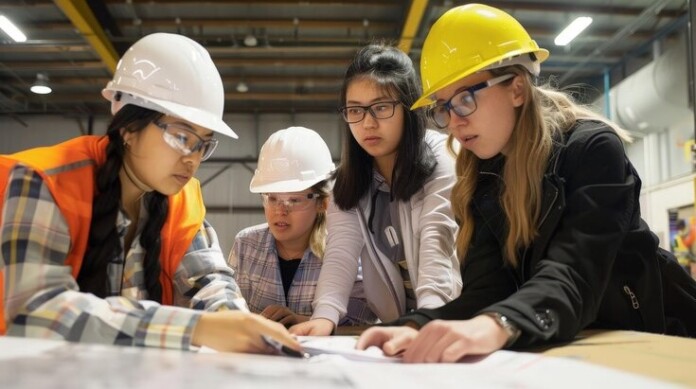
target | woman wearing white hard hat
x=104, y=237
x=277, y=263
x=391, y=195
x=551, y=239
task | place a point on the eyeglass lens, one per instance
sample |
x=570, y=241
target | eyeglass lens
x=462, y=103
x=379, y=110
x=186, y=141
x=289, y=202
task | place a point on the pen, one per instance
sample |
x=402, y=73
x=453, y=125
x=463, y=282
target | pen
x=282, y=349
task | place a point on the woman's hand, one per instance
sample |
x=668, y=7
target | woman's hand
x=392, y=340
x=283, y=315
x=315, y=327
x=240, y=332
x=449, y=341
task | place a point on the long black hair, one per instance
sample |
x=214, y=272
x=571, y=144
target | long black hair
x=104, y=246
x=392, y=70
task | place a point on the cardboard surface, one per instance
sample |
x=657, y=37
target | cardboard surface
x=664, y=357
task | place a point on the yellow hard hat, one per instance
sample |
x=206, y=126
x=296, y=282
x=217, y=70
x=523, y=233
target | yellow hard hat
x=471, y=38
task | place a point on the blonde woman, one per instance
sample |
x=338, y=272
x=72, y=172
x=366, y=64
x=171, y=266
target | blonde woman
x=277, y=263
x=551, y=239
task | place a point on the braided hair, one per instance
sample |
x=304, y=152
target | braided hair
x=104, y=245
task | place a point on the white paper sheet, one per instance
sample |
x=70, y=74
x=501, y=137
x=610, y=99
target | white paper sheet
x=318, y=346
x=31, y=363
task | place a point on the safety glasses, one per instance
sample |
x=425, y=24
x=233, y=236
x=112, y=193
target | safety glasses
x=380, y=110
x=186, y=141
x=290, y=202
x=463, y=103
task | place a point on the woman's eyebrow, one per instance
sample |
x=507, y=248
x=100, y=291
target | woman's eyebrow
x=375, y=100
x=192, y=129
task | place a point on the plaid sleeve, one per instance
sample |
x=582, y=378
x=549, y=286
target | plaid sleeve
x=205, y=277
x=41, y=296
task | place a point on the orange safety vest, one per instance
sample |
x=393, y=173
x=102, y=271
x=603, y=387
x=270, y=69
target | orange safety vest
x=68, y=170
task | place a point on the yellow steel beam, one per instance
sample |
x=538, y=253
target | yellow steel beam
x=83, y=19
x=413, y=20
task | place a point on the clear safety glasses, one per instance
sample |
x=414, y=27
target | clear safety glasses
x=289, y=202
x=186, y=141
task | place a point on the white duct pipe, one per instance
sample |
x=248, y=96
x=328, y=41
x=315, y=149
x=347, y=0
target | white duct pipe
x=655, y=97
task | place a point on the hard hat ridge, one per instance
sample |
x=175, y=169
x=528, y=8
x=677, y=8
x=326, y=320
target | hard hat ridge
x=172, y=74
x=292, y=160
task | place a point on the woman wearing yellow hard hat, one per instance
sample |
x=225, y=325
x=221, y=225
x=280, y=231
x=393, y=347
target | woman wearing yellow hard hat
x=551, y=240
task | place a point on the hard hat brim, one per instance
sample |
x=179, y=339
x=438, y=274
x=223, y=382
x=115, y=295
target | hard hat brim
x=193, y=115
x=425, y=99
x=293, y=185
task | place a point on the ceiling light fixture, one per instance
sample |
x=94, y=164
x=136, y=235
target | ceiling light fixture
x=250, y=40
x=10, y=29
x=242, y=87
x=41, y=87
x=573, y=30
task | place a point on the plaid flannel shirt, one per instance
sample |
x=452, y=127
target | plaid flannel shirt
x=255, y=262
x=42, y=298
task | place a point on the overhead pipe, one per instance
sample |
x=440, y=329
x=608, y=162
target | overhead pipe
x=655, y=97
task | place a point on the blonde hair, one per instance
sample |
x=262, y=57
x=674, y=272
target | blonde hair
x=317, y=238
x=545, y=114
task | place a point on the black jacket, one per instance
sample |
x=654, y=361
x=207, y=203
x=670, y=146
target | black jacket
x=595, y=263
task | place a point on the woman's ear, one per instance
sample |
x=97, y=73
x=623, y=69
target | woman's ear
x=517, y=88
x=323, y=205
x=126, y=136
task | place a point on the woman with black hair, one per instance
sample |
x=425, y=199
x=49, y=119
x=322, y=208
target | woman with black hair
x=104, y=238
x=392, y=211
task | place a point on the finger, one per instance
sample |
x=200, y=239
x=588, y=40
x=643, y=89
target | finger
x=301, y=329
x=437, y=351
x=287, y=320
x=282, y=335
x=322, y=327
x=278, y=315
x=454, y=352
x=400, y=342
x=269, y=311
x=373, y=337
x=421, y=346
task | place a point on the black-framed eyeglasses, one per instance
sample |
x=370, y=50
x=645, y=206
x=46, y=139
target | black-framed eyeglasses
x=290, y=202
x=184, y=140
x=463, y=103
x=379, y=110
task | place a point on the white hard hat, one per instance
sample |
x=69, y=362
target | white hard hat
x=292, y=160
x=172, y=74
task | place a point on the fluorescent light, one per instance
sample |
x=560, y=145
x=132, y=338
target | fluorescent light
x=574, y=29
x=12, y=30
